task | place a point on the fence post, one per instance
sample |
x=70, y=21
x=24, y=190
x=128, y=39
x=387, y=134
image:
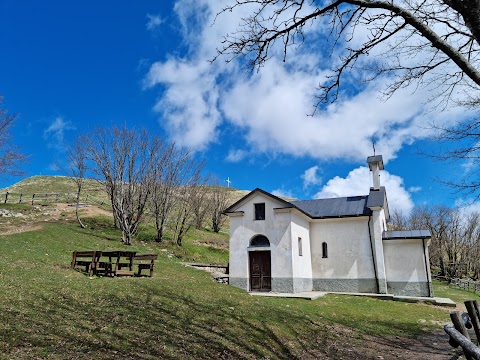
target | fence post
x=460, y=327
x=472, y=312
x=458, y=323
x=33, y=198
x=6, y=197
x=477, y=309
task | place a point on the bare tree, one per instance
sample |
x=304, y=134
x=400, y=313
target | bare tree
x=461, y=143
x=455, y=238
x=443, y=37
x=169, y=175
x=124, y=160
x=10, y=157
x=77, y=167
x=398, y=221
x=200, y=206
x=191, y=188
x=219, y=199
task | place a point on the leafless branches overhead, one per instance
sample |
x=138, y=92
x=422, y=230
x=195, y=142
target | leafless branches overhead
x=415, y=42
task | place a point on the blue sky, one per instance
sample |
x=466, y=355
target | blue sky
x=69, y=66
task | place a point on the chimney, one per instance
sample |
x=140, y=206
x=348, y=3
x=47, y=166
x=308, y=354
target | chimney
x=375, y=163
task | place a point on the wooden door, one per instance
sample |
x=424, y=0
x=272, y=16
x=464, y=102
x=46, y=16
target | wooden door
x=260, y=271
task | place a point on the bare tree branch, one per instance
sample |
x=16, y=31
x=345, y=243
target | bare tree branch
x=10, y=157
x=450, y=30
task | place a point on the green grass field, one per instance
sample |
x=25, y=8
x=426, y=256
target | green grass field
x=48, y=310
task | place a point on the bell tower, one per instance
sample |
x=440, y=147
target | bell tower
x=375, y=163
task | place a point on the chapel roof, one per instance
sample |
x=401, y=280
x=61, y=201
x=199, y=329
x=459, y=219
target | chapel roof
x=334, y=207
x=349, y=206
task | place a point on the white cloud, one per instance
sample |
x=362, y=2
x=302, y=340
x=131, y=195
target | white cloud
x=359, y=181
x=310, y=177
x=188, y=105
x=467, y=206
x=236, y=155
x=414, y=189
x=154, y=21
x=55, y=133
x=271, y=107
x=282, y=193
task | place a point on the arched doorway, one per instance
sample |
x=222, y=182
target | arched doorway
x=260, y=264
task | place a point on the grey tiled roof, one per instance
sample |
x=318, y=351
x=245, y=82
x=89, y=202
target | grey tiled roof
x=336, y=207
x=328, y=208
x=406, y=234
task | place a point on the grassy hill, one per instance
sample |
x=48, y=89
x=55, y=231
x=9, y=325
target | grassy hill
x=48, y=184
x=49, y=311
x=63, y=184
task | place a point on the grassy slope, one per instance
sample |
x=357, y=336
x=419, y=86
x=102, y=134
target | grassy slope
x=49, y=310
x=64, y=184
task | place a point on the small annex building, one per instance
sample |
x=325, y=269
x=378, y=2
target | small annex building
x=337, y=245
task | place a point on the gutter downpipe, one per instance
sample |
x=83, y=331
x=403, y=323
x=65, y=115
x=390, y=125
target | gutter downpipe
x=429, y=284
x=373, y=254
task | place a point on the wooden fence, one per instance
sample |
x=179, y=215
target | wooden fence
x=45, y=198
x=459, y=335
x=466, y=284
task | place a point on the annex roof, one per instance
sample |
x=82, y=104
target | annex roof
x=406, y=234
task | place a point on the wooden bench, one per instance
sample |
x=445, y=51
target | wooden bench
x=89, y=260
x=145, y=262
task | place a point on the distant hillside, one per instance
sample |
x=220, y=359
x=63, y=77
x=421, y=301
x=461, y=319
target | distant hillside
x=49, y=184
x=64, y=184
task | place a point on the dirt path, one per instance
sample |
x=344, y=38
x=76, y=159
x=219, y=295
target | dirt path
x=433, y=346
x=32, y=220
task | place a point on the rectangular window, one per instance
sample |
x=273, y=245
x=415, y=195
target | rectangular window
x=260, y=211
x=300, y=249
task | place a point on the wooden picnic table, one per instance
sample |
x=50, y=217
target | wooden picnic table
x=113, y=263
x=116, y=263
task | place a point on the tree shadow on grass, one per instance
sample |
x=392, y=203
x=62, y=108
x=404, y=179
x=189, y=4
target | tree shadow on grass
x=160, y=324
x=148, y=321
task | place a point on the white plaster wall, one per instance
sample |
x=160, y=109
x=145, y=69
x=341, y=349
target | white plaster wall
x=377, y=227
x=383, y=221
x=349, y=251
x=282, y=247
x=276, y=227
x=302, y=265
x=404, y=260
x=238, y=262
